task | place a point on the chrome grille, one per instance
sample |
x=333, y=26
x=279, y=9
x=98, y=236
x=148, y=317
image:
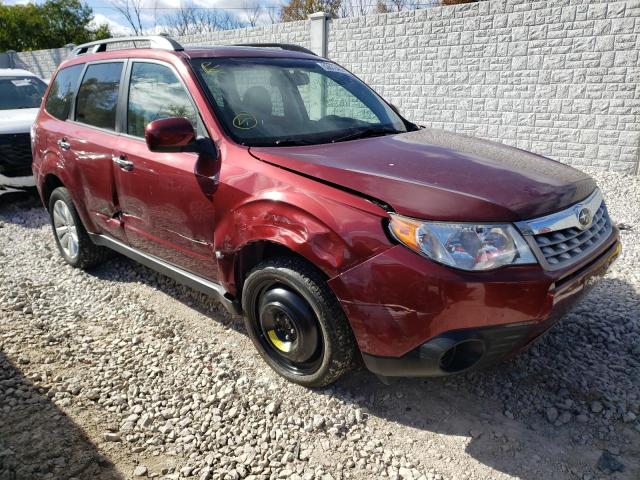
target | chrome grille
x=559, y=240
x=565, y=246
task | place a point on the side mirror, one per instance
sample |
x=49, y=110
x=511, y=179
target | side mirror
x=173, y=134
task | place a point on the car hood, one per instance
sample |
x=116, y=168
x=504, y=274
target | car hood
x=438, y=175
x=18, y=120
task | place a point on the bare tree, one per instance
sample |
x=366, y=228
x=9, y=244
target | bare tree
x=131, y=10
x=386, y=6
x=179, y=23
x=192, y=20
x=155, y=15
x=228, y=21
x=355, y=8
x=274, y=15
x=252, y=12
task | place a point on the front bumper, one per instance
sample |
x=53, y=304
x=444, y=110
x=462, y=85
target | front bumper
x=408, y=313
x=453, y=352
x=15, y=184
x=26, y=181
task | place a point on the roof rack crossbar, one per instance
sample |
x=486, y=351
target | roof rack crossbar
x=282, y=46
x=162, y=42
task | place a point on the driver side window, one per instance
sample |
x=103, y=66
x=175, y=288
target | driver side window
x=154, y=93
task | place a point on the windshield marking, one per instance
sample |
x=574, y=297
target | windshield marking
x=245, y=121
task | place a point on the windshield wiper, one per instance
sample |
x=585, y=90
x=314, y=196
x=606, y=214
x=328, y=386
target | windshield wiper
x=366, y=133
x=292, y=142
x=299, y=142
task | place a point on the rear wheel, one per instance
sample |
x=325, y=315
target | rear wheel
x=72, y=239
x=296, y=323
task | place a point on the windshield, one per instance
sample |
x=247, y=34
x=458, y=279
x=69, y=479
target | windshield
x=21, y=92
x=284, y=101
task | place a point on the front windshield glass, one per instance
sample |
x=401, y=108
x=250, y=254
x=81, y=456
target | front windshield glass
x=21, y=92
x=284, y=101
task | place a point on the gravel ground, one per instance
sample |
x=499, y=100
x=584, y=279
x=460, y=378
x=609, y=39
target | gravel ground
x=122, y=373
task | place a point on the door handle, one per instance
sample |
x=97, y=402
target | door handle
x=123, y=163
x=63, y=144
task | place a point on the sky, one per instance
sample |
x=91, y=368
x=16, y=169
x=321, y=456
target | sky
x=104, y=12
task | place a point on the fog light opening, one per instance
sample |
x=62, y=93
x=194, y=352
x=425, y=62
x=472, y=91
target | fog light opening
x=462, y=356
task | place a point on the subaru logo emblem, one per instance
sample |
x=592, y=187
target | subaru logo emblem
x=584, y=217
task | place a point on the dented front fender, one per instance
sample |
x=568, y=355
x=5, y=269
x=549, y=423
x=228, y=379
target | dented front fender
x=333, y=229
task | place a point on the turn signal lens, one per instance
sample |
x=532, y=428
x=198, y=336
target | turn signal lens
x=404, y=229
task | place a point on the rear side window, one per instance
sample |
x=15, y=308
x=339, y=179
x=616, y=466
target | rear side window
x=61, y=94
x=98, y=95
x=154, y=93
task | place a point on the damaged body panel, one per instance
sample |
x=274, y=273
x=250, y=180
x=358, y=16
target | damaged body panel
x=395, y=301
x=440, y=175
x=264, y=203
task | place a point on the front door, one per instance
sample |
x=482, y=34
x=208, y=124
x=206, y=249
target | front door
x=166, y=204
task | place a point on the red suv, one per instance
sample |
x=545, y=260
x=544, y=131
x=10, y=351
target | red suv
x=277, y=181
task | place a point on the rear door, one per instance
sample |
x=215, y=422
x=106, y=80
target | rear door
x=166, y=198
x=91, y=139
x=55, y=127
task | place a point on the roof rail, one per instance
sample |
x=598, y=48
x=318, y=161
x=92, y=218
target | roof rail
x=163, y=42
x=282, y=46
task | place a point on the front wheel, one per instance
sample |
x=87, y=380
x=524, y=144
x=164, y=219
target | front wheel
x=296, y=323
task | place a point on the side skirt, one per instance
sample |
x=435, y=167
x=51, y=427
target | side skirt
x=178, y=274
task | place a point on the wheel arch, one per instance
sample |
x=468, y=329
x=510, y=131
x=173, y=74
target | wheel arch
x=50, y=182
x=55, y=173
x=263, y=228
x=254, y=252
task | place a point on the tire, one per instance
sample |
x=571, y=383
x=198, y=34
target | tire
x=76, y=247
x=291, y=286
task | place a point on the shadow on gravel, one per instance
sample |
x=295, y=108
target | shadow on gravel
x=37, y=440
x=13, y=206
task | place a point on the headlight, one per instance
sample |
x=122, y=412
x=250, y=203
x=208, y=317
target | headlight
x=463, y=245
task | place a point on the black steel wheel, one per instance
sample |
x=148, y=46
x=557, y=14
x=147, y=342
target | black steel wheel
x=289, y=329
x=296, y=323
